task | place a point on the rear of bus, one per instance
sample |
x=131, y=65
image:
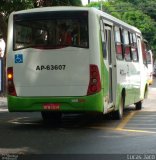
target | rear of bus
x=50, y=64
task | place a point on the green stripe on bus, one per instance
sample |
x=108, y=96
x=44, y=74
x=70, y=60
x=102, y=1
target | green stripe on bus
x=92, y=103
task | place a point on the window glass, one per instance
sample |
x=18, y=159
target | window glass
x=134, y=49
x=134, y=38
x=127, y=51
x=102, y=31
x=149, y=58
x=101, y=25
x=144, y=54
x=118, y=43
x=117, y=35
x=51, y=30
x=131, y=38
x=103, y=39
x=125, y=37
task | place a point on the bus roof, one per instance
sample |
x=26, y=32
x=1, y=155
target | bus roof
x=73, y=8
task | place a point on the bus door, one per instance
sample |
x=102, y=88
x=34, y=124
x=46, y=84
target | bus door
x=111, y=63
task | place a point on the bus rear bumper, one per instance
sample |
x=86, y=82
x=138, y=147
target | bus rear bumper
x=92, y=103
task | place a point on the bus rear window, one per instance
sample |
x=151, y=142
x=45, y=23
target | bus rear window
x=51, y=30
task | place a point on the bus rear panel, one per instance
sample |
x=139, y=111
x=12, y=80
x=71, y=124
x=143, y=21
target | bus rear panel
x=49, y=66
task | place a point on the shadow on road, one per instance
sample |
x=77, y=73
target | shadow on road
x=33, y=121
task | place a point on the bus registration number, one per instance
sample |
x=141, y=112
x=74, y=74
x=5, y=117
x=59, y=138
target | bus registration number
x=51, y=67
x=51, y=106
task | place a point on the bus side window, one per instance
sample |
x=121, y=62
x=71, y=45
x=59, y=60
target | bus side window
x=127, y=51
x=103, y=39
x=134, y=49
x=144, y=54
x=118, y=43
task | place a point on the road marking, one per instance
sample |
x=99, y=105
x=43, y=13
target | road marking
x=125, y=121
x=136, y=131
x=146, y=116
x=123, y=129
x=120, y=127
x=145, y=124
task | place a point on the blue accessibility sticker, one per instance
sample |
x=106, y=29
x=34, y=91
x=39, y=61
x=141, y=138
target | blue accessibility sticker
x=18, y=58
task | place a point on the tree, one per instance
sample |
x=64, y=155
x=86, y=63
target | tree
x=147, y=20
x=45, y=3
x=3, y=26
x=8, y=6
x=130, y=13
x=148, y=7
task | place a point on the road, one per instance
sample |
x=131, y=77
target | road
x=25, y=133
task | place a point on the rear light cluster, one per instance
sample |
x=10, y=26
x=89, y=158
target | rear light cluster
x=11, y=86
x=94, y=83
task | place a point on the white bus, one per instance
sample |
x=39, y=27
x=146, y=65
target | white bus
x=73, y=59
x=150, y=66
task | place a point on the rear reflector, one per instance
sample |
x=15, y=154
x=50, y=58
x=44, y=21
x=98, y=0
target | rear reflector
x=10, y=84
x=94, y=83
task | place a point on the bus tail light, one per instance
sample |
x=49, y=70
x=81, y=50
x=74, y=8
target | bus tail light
x=94, y=83
x=11, y=86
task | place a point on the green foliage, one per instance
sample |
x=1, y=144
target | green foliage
x=139, y=13
x=75, y=2
x=46, y=3
x=146, y=6
x=8, y=6
x=95, y=4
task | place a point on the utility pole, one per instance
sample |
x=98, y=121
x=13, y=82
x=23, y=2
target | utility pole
x=88, y=1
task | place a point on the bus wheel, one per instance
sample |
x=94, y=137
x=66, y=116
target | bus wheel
x=51, y=117
x=117, y=115
x=138, y=105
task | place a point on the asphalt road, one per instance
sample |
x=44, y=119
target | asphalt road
x=25, y=133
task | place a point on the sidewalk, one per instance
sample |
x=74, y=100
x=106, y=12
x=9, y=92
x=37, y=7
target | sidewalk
x=3, y=102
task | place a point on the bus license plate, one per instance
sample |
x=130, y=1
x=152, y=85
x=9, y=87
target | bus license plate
x=51, y=106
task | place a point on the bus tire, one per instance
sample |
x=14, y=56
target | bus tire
x=117, y=115
x=138, y=105
x=51, y=117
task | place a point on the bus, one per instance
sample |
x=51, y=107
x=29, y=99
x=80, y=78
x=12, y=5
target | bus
x=150, y=67
x=73, y=60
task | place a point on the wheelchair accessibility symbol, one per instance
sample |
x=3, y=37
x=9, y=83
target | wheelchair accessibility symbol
x=18, y=58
